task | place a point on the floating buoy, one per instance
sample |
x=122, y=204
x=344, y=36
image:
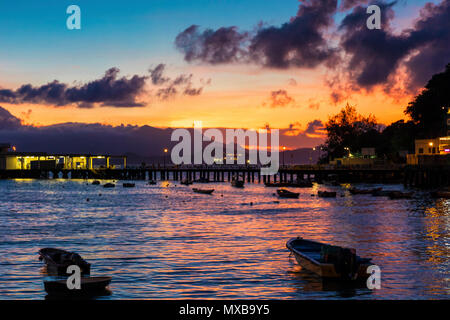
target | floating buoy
x=87, y=199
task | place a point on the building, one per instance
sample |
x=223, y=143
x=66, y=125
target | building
x=430, y=151
x=12, y=160
x=367, y=157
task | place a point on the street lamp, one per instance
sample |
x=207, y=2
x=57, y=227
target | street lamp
x=165, y=151
x=284, y=149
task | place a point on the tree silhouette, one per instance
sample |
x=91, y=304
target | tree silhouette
x=348, y=132
x=428, y=110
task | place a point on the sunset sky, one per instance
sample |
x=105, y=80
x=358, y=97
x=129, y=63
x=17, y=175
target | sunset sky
x=228, y=63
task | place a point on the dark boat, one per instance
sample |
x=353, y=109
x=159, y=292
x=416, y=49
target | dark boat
x=237, y=182
x=364, y=191
x=129, y=185
x=96, y=182
x=89, y=285
x=58, y=261
x=152, y=182
x=326, y=194
x=327, y=261
x=284, y=193
x=203, y=191
x=186, y=182
x=109, y=185
x=298, y=184
x=400, y=195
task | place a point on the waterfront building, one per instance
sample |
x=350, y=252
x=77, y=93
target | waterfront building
x=13, y=160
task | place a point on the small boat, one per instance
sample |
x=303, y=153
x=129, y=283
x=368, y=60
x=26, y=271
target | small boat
x=393, y=195
x=441, y=194
x=58, y=261
x=186, y=182
x=129, y=185
x=96, y=182
x=326, y=194
x=327, y=261
x=152, y=182
x=203, y=191
x=284, y=193
x=109, y=185
x=237, y=182
x=89, y=285
x=364, y=191
x=297, y=184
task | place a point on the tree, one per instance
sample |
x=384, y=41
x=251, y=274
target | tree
x=348, y=132
x=428, y=110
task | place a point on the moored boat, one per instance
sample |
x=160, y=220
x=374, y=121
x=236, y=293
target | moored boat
x=237, y=183
x=327, y=261
x=297, y=184
x=109, y=185
x=89, y=285
x=284, y=193
x=58, y=260
x=96, y=182
x=203, y=191
x=326, y=194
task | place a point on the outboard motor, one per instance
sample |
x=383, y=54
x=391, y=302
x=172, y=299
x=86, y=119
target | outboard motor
x=344, y=260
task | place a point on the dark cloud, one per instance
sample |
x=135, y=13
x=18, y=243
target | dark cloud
x=300, y=42
x=223, y=45
x=366, y=57
x=431, y=38
x=376, y=54
x=192, y=91
x=167, y=92
x=172, y=86
x=156, y=74
x=107, y=91
x=8, y=121
x=348, y=4
x=280, y=98
x=314, y=127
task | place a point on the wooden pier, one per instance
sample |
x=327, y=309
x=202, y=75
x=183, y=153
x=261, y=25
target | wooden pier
x=410, y=176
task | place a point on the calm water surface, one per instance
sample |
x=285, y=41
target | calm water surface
x=165, y=242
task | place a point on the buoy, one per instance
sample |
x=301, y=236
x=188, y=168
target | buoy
x=87, y=199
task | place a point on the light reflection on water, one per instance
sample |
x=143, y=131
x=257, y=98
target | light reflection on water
x=163, y=242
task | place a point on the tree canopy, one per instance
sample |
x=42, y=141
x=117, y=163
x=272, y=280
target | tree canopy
x=428, y=109
x=348, y=131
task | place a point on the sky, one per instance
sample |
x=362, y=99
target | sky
x=228, y=63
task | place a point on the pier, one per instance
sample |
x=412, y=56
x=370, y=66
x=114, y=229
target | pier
x=410, y=176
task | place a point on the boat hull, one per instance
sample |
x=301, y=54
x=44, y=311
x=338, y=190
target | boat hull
x=324, y=270
x=89, y=285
